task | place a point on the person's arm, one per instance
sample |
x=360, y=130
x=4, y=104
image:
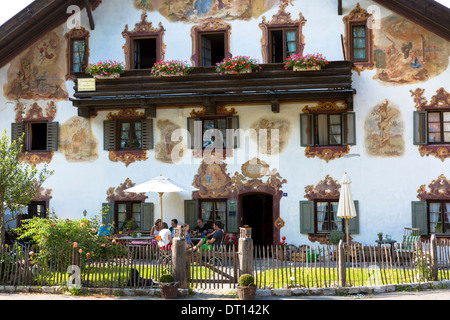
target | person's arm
x=170, y=238
x=152, y=232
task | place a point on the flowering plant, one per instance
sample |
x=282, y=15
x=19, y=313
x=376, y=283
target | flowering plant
x=170, y=68
x=105, y=68
x=282, y=245
x=230, y=241
x=306, y=62
x=237, y=64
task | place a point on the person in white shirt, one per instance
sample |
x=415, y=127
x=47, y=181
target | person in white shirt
x=165, y=239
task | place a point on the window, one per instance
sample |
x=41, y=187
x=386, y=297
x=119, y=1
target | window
x=358, y=47
x=145, y=53
x=77, y=51
x=128, y=134
x=326, y=216
x=283, y=43
x=126, y=211
x=39, y=136
x=217, y=132
x=213, y=211
x=432, y=127
x=36, y=209
x=439, y=216
x=327, y=129
x=212, y=48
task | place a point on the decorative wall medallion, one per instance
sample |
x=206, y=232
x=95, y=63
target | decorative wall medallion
x=212, y=180
x=166, y=146
x=325, y=189
x=35, y=112
x=76, y=140
x=280, y=20
x=439, y=101
x=327, y=153
x=279, y=223
x=255, y=168
x=384, y=131
x=38, y=73
x=439, y=189
x=143, y=29
x=272, y=135
x=118, y=194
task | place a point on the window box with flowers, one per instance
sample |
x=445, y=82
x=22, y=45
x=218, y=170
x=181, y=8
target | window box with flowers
x=309, y=62
x=170, y=68
x=237, y=65
x=108, y=69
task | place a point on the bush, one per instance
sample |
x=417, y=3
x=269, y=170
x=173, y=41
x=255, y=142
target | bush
x=246, y=280
x=166, y=278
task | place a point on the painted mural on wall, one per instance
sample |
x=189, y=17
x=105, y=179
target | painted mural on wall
x=179, y=10
x=76, y=140
x=384, y=131
x=406, y=53
x=38, y=73
x=278, y=133
x=165, y=147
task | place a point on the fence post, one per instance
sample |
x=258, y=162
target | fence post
x=245, y=251
x=179, y=257
x=341, y=264
x=434, y=257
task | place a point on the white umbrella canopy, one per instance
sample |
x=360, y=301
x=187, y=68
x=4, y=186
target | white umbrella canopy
x=346, y=207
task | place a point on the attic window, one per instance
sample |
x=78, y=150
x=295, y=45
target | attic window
x=77, y=51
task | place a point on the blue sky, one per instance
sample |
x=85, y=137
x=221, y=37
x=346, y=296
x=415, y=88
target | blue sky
x=9, y=8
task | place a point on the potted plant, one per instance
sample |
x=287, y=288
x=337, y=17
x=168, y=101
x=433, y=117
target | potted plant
x=237, y=65
x=131, y=225
x=298, y=62
x=380, y=235
x=281, y=248
x=107, y=69
x=246, y=288
x=170, y=68
x=168, y=286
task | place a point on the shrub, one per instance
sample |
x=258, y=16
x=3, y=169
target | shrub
x=246, y=280
x=166, y=278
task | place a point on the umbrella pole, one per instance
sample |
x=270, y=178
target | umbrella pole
x=346, y=228
x=160, y=201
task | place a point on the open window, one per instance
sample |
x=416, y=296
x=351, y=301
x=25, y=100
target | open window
x=283, y=43
x=145, y=53
x=38, y=136
x=212, y=48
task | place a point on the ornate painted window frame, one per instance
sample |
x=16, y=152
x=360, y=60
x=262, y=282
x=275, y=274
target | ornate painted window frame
x=76, y=34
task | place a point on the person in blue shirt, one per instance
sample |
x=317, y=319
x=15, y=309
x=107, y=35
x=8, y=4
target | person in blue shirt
x=173, y=225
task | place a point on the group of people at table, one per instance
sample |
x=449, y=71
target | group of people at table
x=201, y=238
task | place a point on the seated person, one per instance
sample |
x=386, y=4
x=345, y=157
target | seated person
x=201, y=228
x=212, y=240
x=164, y=237
x=173, y=225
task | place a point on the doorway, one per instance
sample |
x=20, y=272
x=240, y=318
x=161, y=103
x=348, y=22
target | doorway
x=257, y=212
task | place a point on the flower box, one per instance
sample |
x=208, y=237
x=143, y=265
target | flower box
x=313, y=68
x=309, y=62
x=170, y=68
x=237, y=65
x=114, y=75
x=107, y=69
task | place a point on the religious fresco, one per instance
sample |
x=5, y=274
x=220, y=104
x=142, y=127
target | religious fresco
x=76, y=140
x=190, y=11
x=384, y=131
x=406, y=53
x=265, y=146
x=38, y=73
x=166, y=146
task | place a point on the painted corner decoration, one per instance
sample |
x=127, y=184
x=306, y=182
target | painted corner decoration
x=406, y=53
x=327, y=188
x=76, y=140
x=118, y=194
x=384, y=131
x=38, y=73
x=439, y=189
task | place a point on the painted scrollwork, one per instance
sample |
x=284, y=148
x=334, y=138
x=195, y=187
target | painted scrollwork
x=118, y=194
x=327, y=188
x=439, y=189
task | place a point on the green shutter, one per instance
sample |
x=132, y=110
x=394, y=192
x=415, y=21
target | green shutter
x=52, y=136
x=233, y=123
x=147, y=134
x=232, y=219
x=109, y=135
x=191, y=213
x=17, y=131
x=420, y=128
x=353, y=223
x=147, y=216
x=108, y=213
x=306, y=216
x=348, y=128
x=196, y=133
x=420, y=216
x=307, y=129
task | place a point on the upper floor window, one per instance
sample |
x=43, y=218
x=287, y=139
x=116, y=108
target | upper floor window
x=212, y=48
x=38, y=136
x=145, y=53
x=128, y=134
x=432, y=126
x=283, y=43
x=214, y=132
x=77, y=51
x=358, y=42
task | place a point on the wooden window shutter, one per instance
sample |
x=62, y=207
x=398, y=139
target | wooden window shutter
x=307, y=130
x=233, y=123
x=109, y=135
x=420, y=127
x=348, y=128
x=147, y=134
x=17, y=130
x=306, y=216
x=420, y=216
x=52, y=136
x=232, y=212
x=191, y=213
x=108, y=214
x=195, y=132
x=147, y=216
x=353, y=223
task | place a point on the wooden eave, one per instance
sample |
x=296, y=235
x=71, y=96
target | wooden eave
x=204, y=87
x=429, y=14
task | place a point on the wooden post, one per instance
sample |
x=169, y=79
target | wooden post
x=434, y=257
x=341, y=264
x=245, y=252
x=179, y=258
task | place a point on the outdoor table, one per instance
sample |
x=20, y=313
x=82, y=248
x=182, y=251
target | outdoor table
x=385, y=241
x=195, y=240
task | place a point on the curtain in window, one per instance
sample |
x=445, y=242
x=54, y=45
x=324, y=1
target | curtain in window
x=206, y=210
x=447, y=217
x=435, y=210
x=322, y=128
x=78, y=55
x=337, y=220
x=290, y=42
x=221, y=208
x=321, y=212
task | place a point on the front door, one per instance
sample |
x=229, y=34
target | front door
x=257, y=212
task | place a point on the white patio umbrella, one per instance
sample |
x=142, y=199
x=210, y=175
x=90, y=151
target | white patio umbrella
x=346, y=207
x=160, y=185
